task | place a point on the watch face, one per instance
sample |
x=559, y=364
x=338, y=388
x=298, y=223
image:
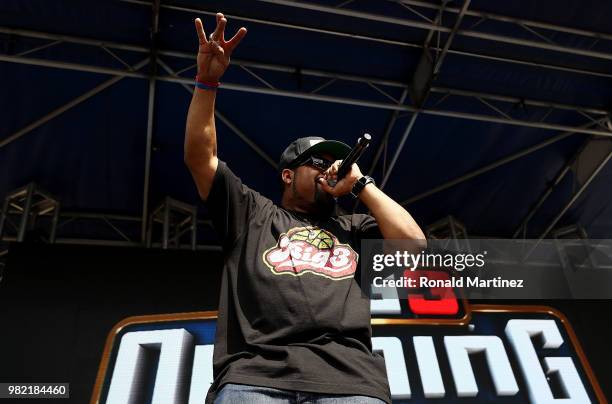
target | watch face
x=360, y=184
x=365, y=180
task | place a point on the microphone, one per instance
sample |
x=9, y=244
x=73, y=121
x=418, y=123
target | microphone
x=362, y=143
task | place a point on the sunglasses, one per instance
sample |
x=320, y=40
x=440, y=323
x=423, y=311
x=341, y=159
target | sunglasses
x=317, y=162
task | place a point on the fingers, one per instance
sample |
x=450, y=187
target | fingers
x=332, y=171
x=232, y=43
x=216, y=42
x=200, y=30
x=219, y=34
x=218, y=49
x=334, y=168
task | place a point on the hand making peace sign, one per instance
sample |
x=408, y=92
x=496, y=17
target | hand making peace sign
x=214, y=52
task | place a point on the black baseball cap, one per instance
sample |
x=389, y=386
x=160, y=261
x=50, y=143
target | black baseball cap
x=300, y=149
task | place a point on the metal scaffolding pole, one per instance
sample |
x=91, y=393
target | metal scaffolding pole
x=73, y=39
x=385, y=140
x=349, y=101
x=518, y=100
x=435, y=70
x=387, y=133
x=276, y=24
x=3, y=215
x=364, y=103
x=489, y=167
x=358, y=14
x=542, y=65
x=258, y=65
x=186, y=55
x=135, y=48
x=430, y=26
x=575, y=196
x=150, y=117
x=73, y=66
x=498, y=17
x=228, y=123
x=147, y=167
x=247, y=140
x=380, y=40
x=70, y=216
x=399, y=149
x=451, y=37
x=69, y=105
x=123, y=243
x=451, y=51
x=522, y=228
x=25, y=218
x=395, y=107
x=517, y=122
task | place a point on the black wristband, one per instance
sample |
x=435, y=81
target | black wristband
x=360, y=185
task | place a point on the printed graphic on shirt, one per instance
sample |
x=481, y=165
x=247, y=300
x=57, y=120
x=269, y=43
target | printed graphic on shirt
x=311, y=250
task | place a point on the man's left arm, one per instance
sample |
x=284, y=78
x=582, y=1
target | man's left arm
x=393, y=220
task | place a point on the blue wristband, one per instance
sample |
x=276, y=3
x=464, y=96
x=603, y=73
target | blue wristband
x=206, y=85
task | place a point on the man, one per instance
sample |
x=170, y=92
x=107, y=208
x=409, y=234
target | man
x=292, y=325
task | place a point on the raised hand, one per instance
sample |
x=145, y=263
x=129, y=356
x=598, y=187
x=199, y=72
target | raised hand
x=214, y=52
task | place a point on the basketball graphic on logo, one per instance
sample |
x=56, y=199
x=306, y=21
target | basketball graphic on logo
x=311, y=250
x=317, y=237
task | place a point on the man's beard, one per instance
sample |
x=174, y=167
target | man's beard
x=324, y=202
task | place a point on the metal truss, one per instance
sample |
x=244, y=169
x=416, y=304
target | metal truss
x=29, y=203
x=497, y=115
x=150, y=117
x=545, y=42
x=494, y=117
x=499, y=108
x=447, y=228
x=491, y=166
x=575, y=196
x=533, y=25
x=409, y=23
x=428, y=69
x=123, y=230
x=177, y=219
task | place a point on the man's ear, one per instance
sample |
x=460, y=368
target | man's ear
x=287, y=176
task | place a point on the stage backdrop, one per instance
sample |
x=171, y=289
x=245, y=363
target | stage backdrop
x=58, y=304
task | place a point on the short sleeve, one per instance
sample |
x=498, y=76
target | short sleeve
x=367, y=227
x=230, y=204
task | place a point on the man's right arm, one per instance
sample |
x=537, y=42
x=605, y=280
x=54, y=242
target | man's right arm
x=201, y=140
x=200, y=133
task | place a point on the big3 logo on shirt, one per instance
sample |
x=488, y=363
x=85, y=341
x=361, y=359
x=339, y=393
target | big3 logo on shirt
x=311, y=250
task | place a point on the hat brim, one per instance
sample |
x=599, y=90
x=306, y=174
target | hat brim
x=338, y=150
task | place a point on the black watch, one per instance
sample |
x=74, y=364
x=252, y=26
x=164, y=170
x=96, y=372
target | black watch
x=360, y=185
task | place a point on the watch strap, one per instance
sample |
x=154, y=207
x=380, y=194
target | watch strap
x=361, y=184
